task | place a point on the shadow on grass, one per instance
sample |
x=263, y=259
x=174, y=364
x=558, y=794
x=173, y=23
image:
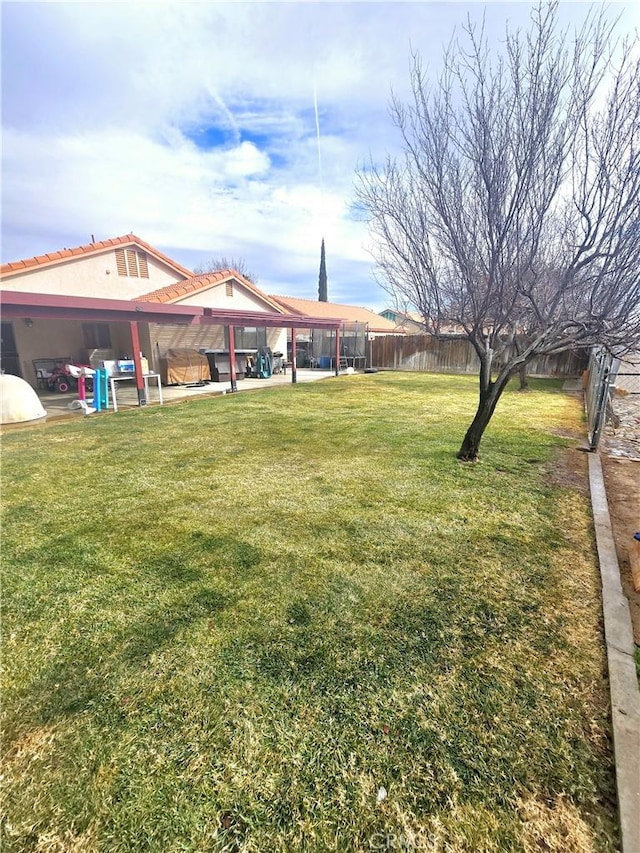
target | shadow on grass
x=240, y=555
x=81, y=676
x=429, y=680
x=84, y=676
x=198, y=555
x=68, y=560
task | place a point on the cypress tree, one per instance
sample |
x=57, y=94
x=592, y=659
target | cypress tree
x=322, y=281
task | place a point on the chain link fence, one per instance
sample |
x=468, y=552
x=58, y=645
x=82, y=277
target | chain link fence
x=627, y=374
x=606, y=373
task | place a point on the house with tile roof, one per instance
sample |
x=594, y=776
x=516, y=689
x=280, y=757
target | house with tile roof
x=413, y=323
x=410, y=321
x=119, y=268
x=128, y=268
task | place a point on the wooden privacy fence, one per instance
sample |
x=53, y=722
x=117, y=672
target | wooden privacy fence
x=456, y=355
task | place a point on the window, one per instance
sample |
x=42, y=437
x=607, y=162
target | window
x=131, y=262
x=96, y=335
x=247, y=337
x=229, y=288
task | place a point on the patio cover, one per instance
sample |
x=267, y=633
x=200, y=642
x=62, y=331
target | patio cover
x=20, y=305
x=16, y=305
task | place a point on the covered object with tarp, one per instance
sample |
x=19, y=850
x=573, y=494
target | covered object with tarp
x=183, y=366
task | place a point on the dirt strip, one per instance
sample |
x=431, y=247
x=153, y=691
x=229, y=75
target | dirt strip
x=620, y=455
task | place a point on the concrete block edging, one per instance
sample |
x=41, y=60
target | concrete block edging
x=623, y=683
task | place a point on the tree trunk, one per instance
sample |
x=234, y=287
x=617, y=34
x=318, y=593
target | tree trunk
x=486, y=407
x=524, y=382
x=522, y=370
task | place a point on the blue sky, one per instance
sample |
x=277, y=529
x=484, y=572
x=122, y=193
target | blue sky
x=193, y=125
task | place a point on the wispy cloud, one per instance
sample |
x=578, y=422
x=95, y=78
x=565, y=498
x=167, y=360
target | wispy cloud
x=196, y=125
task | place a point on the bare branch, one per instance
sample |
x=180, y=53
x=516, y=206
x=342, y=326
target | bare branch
x=515, y=206
x=224, y=263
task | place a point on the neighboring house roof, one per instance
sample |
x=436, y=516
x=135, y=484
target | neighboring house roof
x=348, y=313
x=407, y=315
x=407, y=320
x=29, y=264
x=199, y=283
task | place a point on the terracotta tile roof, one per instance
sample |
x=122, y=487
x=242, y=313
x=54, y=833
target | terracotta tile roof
x=198, y=283
x=348, y=313
x=90, y=249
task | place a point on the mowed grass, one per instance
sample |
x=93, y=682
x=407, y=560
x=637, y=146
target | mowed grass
x=229, y=624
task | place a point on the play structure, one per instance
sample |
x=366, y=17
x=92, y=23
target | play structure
x=101, y=390
x=99, y=379
x=83, y=377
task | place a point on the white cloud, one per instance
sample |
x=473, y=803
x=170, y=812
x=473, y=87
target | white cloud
x=173, y=193
x=193, y=124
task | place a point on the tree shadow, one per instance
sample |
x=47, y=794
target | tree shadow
x=82, y=677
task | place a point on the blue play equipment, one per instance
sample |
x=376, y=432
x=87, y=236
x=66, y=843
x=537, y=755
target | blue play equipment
x=101, y=390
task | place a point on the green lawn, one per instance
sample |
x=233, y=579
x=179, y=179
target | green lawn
x=227, y=624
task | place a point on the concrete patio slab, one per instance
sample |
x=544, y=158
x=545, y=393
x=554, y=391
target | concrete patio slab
x=57, y=405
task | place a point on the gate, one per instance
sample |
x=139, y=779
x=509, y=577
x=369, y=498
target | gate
x=601, y=373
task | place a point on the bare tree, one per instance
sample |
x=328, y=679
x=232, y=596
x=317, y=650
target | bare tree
x=514, y=209
x=223, y=263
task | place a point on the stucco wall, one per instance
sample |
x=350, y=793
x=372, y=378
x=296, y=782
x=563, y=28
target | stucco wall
x=164, y=337
x=46, y=339
x=216, y=297
x=61, y=338
x=277, y=340
x=92, y=275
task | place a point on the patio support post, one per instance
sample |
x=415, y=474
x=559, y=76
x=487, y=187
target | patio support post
x=294, y=356
x=337, y=366
x=232, y=358
x=137, y=363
